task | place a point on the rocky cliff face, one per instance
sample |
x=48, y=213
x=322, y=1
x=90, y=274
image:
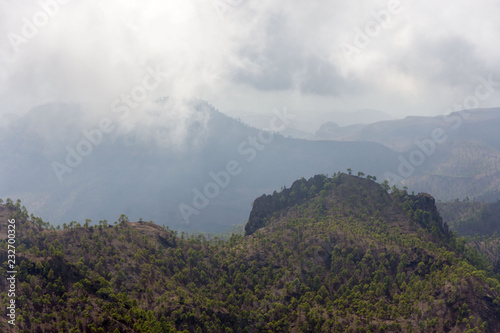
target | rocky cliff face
x=266, y=205
x=426, y=212
x=343, y=188
x=427, y=203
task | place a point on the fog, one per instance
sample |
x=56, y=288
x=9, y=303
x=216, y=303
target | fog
x=248, y=57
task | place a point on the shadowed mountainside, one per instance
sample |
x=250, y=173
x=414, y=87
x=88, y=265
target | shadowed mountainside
x=461, y=159
x=144, y=175
x=472, y=217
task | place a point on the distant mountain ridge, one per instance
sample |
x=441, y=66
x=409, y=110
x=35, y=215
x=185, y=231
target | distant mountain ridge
x=306, y=125
x=451, y=156
x=141, y=176
x=146, y=174
x=472, y=217
x=401, y=134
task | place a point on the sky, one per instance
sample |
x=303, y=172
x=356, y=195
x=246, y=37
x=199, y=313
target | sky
x=248, y=58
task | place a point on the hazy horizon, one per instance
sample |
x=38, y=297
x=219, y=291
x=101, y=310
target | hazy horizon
x=248, y=58
x=124, y=79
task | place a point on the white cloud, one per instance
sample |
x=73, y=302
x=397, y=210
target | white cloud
x=268, y=54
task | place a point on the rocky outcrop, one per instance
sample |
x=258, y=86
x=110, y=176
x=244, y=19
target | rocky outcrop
x=342, y=187
x=266, y=205
x=426, y=203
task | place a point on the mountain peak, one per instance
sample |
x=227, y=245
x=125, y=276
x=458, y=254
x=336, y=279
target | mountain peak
x=351, y=195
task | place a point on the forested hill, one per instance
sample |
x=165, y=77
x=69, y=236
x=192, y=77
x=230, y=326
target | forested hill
x=329, y=254
x=164, y=174
x=362, y=195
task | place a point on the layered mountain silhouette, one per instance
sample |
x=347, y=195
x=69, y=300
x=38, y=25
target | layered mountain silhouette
x=201, y=172
x=453, y=156
x=141, y=174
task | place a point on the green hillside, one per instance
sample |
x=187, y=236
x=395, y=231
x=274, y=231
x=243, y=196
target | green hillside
x=337, y=254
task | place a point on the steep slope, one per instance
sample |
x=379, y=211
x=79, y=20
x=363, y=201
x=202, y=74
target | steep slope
x=472, y=217
x=332, y=255
x=400, y=135
x=462, y=160
x=146, y=174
